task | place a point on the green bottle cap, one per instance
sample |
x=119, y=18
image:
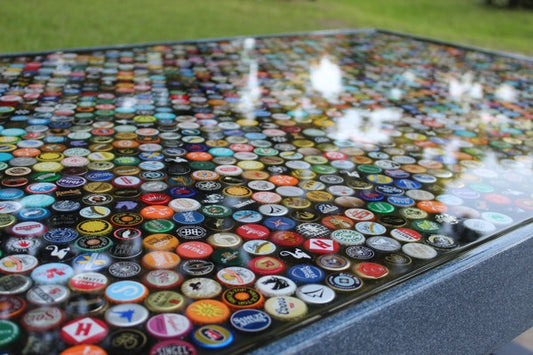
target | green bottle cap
x=380, y=207
x=9, y=332
x=369, y=169
x=158, y=226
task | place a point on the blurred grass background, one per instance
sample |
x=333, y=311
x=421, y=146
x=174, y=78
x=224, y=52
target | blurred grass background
x=29, y=25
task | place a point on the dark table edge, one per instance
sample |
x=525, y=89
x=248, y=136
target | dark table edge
x=276, y=35
x=469, y=305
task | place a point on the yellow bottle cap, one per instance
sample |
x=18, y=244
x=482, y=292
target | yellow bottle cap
x=47, y=167
x=165, y=301
x=94, y=227
x=98, y=187
x=285, y=308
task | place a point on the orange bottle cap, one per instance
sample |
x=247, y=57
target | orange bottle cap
x=157, y=212
x=207, y=312
x=160, y=260
x=84, y=349
x=160, y=242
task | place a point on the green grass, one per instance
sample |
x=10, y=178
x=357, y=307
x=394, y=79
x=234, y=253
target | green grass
x=29, y=25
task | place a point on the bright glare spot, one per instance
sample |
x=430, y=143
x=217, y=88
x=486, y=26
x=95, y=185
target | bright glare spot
x=395, y=94
x=465, y=88
x=409, y=76
x=326, y=78
x=249, y=44
x=365, y=126
x=506, y=93
x=129, y=102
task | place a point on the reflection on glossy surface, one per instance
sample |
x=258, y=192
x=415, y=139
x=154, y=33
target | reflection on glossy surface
x=248, y=182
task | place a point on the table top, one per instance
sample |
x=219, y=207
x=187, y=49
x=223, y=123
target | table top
x=211, y=196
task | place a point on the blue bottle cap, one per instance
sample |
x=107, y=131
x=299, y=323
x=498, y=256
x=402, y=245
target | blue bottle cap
x=389, y=190
x=41, y=188
x=400, y=201
x=174, y=152
x=91, y=262
x=247, y=216
x=151, y=156
x=52, y=273
x=189, y=217
x=66, y=206
x=212, y=336
x=151, y=165
x=279, y=223
x=99, y=176
x=250, y=320
x=37, y=201
x=221, y=152
x=11, y=194
x=407, y=184
x=397, y=173
x=60, y=235
x=5, y=156
x=13, y=132
x=182, y=192
x=305, y=273
x=126, y=291
x=33, y=213
x=327, y=208
x=371, y=195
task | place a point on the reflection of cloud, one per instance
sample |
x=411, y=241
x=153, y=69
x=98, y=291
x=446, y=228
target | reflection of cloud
x=395, y=94
x=326, y=78
x=251, y=93
x=249, y=44
x=365, y=126
x=506, y=92
x=465, y=88
x=129, y=102
x=409, y=76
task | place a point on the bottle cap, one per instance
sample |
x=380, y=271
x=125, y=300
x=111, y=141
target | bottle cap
x=343, y=282
x=266, y=265
x=168, y=326
x=162, y=279
x=194, y=250
x=368, y=270
x=85, y=330
x=84, y=349
x=201, y=287
x=212, y=336
x=286, y=308
x=126, y=292
x=160, y=260
x=242, y=297
x=250, y=320
x=126, y=342
x=165, y=301
x=173, y=347
x=14, y=284
x=88, y=282
x=275, y=285
x=315, y=294
x=234, y=276
x=333, y=262
x=126, y=315
x=207, y=312
x=419, y=251
x=47, y=295
x=10, y=333
x=43, y=319
x=12, y=306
